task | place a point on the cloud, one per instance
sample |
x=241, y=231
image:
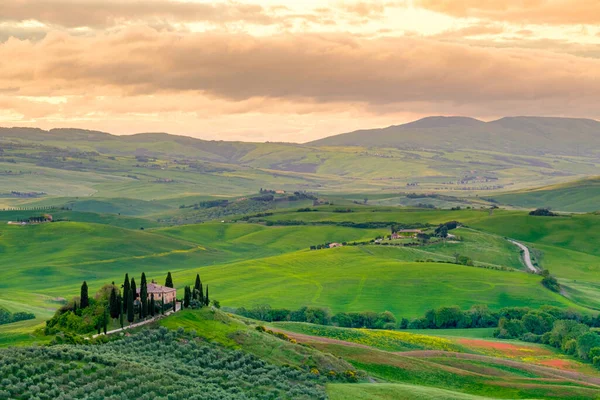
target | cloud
x=472, y=30
x=150, y=76
x=323, y=68
x=553, y=12
x=108, y=13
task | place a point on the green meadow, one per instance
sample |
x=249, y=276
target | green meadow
x=250, y=263
x=579, y=196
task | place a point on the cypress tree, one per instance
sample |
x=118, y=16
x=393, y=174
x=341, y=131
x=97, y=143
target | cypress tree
x=113, y=303
x=206, y=300
x=144, y=296
x=121, y=311
x=169, y=280
x=126, y=288
x=84, y=300
x=133, y=289
x=105, y=320
x=130, y=315
x=152, y=304
x=187, y=296
x=198, y=287
x=162, y=305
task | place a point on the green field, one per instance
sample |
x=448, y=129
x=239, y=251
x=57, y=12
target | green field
x=393, y=391
x=421, y=366
x=249, y=264
x=579, y=196
x=266, y=259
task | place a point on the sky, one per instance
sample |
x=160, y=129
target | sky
x=293, y=71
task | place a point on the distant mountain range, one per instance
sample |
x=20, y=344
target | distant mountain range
x=513, y=135
x=509, y=135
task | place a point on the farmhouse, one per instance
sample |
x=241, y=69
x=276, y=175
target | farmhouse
x=332, y=245
x=403, y=233
x=160, y=291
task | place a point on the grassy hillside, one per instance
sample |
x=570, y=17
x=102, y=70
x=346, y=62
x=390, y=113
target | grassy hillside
x=148, y=167
x=579, y=196
x=351, y=279
x=517, y=135
x=463, y=369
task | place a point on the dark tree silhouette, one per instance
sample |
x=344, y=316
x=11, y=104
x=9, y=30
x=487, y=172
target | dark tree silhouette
x=169, y=280
x=187, y=297
x=130, y=315
x=84, y=300
x=126, y=289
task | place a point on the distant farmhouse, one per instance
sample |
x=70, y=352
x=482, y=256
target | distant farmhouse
x=33, y=220
x=332, y=245
x=170, y=294
x=404, y=233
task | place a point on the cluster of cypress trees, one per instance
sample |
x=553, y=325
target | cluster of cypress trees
x=197, y=296
x=121, y=306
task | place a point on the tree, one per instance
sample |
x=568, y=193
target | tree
x=75, y=307
x=187, y=297
x=423, y=237
x=538, y=322
x=162, y=305
x=144, y=297
x=126, y=289
x=133, y=289
x=122, y=312
x=169, y=281
x=442, y=231
x=113, y=303
x=198, y=287
x=84, y=300
x=206, y=300
x=105, y=321
x=585, y=343
x=152, y=304
x=130, y=315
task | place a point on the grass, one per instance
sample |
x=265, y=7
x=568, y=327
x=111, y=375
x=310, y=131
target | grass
x=460, y=374
x=380, y=339
x=338, y=279
x=393, y=391
x=578, y=196
x=236, y=333
x=249, y=264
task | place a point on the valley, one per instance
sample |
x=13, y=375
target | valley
x=328, y=232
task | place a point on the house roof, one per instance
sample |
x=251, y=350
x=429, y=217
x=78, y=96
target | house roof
x=155, y=288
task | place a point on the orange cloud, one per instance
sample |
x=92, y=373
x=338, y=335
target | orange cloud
x=556, y=12
x=106, y=13
x=141, y=77
x=323, y=68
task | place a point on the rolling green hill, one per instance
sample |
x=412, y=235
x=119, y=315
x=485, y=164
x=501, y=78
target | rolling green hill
x=158, y=166
x=578, y=196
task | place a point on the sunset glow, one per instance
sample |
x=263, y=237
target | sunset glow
x=281, y=70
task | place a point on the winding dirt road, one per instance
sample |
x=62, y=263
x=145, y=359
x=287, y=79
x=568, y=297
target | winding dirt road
x=526, y=255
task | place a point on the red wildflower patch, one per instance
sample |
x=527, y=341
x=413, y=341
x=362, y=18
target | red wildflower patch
x=557, y=363
x=506, y=349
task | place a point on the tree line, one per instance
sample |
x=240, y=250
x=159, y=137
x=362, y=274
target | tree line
x=448, y=317
x=6, y=317
x=570, y=332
